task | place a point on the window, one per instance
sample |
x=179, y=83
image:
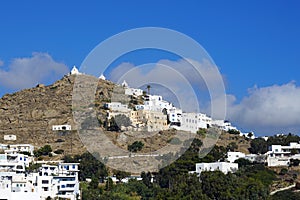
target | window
x=45, y=181
x=70, y=185
x=73, y=166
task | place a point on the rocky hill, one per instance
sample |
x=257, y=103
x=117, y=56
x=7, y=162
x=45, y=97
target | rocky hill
x=29, y=114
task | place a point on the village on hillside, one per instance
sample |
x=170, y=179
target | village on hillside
x=59, y=179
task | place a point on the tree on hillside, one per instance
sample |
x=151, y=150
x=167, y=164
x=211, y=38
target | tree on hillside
x=233, y=132
x=121, y=175
x=258, y=146
x=232, y=146
x=136, y=146
x=43, y=151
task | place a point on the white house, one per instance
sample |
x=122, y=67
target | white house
x=194, y=121
x=233, y=156
x=154, y=103
x=175, y=117
x=224, y=167
x=116, y=106
x=10, y=137
x=280, y=155
x=224, y=125
x=131, y=91
x=14, y=162
x=15, y=186
x=64, y=127
x=48, y=170
x=17, y=148
x=52, y=181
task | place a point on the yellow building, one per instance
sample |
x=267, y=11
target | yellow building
x=152, y=120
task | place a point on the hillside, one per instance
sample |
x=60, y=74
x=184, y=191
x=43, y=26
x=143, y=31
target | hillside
x=29, y=114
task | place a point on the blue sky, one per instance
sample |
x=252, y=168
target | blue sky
x=255, y=44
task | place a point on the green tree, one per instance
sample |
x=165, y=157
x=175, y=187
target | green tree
x=136, y=146
x=232, y=146
x=121, y=175
x=94, y=184
x=243, y=162
x=109, y=184
x=294, y=162
x=89, y=166
x=146, y=178
x=258, y=146
x=202, y=132
x=233, y=132
x=43, y=151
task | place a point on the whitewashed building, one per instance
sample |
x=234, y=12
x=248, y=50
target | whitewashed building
x=131, y=91
x=10, y=137
x=52, y=181
x=280, y=155
x=175, y=117
x=116, y=106
x=194, y=121
x=154, y=103
x=14, y=162
x=224, y=125
x=233, y=156
x=15, y=186
x=224, y=167
x=64, y=127
x=17, y=148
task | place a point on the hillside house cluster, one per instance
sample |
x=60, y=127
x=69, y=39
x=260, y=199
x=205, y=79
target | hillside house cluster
x=157, y=114
x=54, y=181
x=278, y=155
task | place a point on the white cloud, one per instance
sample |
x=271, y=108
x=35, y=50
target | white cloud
x=27, y=72
x=268, y=110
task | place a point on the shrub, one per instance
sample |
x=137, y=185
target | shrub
x=59, y=151
x=136, y=146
